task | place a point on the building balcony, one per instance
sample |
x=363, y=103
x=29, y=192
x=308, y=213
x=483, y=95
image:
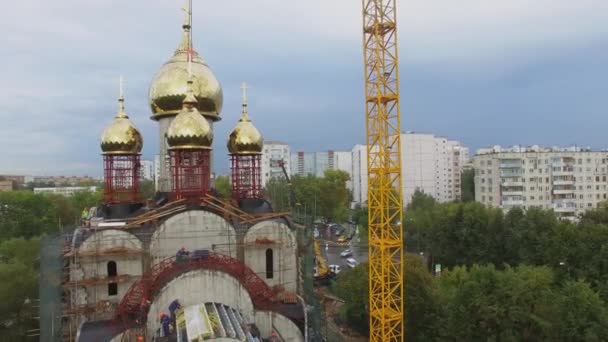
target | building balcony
x=563, y=191
x=510, y=164
x=511, y=173
x=512, y=203
x=512, y=193
x=563, y=182
x=564, y=207
x=507, y=183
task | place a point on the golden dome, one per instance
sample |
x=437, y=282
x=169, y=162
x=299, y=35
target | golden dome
x=245, y=138
x=121, y=136
x=189, y=129
x=168, y=88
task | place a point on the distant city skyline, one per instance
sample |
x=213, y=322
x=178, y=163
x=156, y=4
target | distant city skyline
x=484, y=73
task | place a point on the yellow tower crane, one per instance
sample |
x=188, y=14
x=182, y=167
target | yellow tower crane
x=384, y=200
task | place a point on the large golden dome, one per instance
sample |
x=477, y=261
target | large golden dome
x=168, y=88
x=121, y=136
x=245, y=138
x=189, y=129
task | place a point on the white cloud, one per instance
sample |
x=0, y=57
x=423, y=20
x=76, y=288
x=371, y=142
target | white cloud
x=61, y=58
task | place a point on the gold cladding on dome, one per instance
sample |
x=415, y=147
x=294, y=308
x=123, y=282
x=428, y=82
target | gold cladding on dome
x=189, y=129
x=168, y=88
x=121, y=136
x=245, y=138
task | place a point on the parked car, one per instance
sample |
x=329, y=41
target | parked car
x=316, y=233
x=352, y=263
x=345, y=253
x=335, y=269
x=342, y=239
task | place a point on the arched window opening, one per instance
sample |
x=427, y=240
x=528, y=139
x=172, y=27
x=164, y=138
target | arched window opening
x=112, y=272
x=112, y=289
x=269, y=264
x=112, y=269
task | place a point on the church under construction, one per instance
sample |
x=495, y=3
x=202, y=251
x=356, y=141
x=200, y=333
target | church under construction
x=187, y=265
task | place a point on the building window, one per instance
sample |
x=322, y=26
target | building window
x=112, y=287
x=269, y=264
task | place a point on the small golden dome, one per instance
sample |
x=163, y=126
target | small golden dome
x=189, y=129
x=121, y=136
x=168, y=88
x=245, y=138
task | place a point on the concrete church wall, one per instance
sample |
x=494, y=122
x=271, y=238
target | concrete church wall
x=284, y=250
x=198, y=287
x=89, y=267
x=268, y=321
x=194, y=229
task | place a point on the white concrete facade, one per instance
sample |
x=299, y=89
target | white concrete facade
x=359, y=174
x=147, y=170
x=272, y=153
x=272, y=242
x=567, y=180
x=429, y=163
x=193, y=229
x=432, y=165
x=95, y=255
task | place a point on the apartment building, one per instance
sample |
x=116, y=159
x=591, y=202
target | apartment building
x=429, y=163
x=567, y=180
x=316, y=163
x=148, y=170
x=273, y=153
x=359, y=174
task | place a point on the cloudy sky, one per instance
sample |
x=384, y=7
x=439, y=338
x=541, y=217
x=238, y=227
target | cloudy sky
x=481, y=71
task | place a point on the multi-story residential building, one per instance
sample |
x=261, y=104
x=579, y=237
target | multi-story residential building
x=432, y=165
x=273, y=153
x=147, y=170
x=359, y=174
x=429, y=164
x=156, y=170
x=6, y=185
x=567, y=180
x=65, y=190
x=316, y=163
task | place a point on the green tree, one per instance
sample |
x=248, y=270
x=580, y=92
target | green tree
x=485, y=304
x=422, y=310
x=580, y=314
x=467, y=185
x=352, y=286
x=19, y=274
x=222, y=185
x=335, y=196
x=147, y=189
x=277, y=192
x=25, y=214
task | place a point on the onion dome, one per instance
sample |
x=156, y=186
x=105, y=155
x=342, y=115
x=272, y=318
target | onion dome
x=245, y=138
x=168, y=88
x=121, y=136
x=189, y=129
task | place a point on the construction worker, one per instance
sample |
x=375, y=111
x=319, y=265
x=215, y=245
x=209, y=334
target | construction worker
x=181, y=254
x=173, y=307
x=84, y=216
x=165, y=322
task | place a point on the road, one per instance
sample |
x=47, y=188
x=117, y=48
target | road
x=332, y=250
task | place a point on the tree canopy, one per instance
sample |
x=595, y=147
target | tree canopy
x=325, y=196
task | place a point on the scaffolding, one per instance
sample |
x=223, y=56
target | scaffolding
x=121, y=178
x=246, y=176
x=190, y=172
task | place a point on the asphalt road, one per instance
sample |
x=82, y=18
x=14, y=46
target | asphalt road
x=332, y=251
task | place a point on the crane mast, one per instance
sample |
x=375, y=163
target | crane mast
x=383, y=126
